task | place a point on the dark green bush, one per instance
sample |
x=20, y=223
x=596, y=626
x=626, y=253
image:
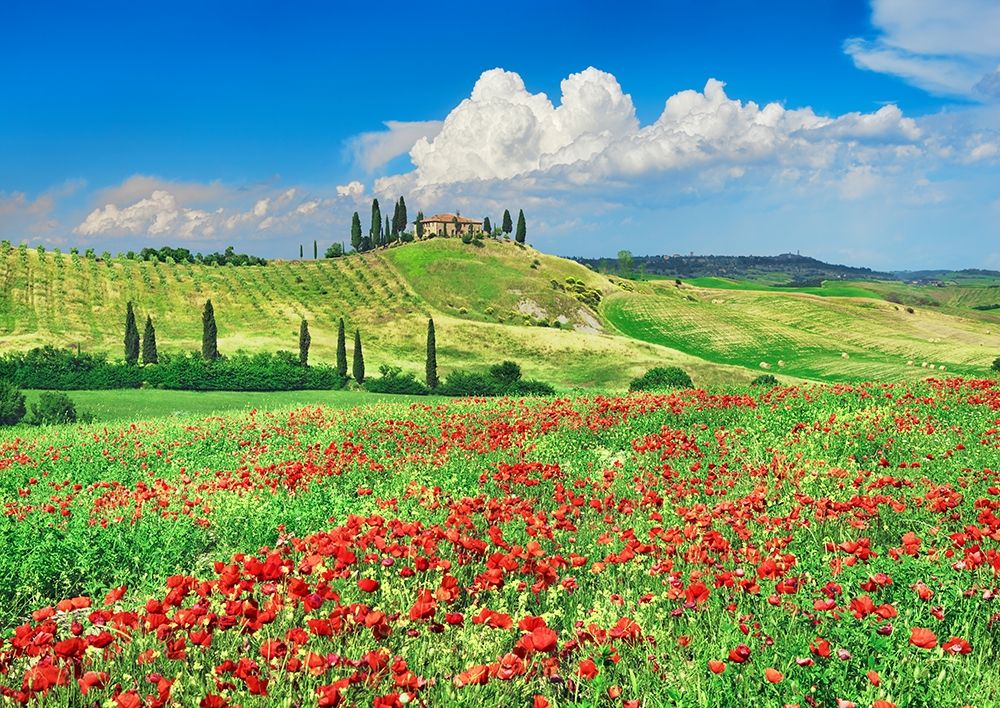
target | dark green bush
x=661, y=378
x=466, y=383
x=764, y=380
x=393, y=380
x=530, y=387
x=996, y=364
x=52, y=408
x=506, y=373
x=50, y=368
x=11, y=404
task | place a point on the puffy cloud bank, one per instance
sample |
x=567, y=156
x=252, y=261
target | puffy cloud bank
x=505, y=132
x=154, y=208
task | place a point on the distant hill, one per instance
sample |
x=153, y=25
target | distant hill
x=784, y=269
x=939, y=276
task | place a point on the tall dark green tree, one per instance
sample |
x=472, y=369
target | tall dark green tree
x=375, y=233
x=387, y=235
x=209, y=333
x=149, y=355
x=401, y=209
x=522, y=229
x=131, y=336
x=359, y=359
x=300, y=250
x=432, y=363
x=341, y=350
x=315, y=250
x=419, y=230
x=356, y=232
x=507, y=225
x=304, y=341
x=487, y=226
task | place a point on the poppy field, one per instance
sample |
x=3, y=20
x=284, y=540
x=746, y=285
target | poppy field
x=831, y=545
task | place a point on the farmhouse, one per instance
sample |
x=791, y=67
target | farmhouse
x=450, y=225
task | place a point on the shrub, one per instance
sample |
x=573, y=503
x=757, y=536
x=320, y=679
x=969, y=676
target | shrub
x=530, y=387
x=505, y=373
x=11, y=404
x=660, y=378
x=996, y=364
x=393, y=380
x=465, y=383
x=52, y=408
x=764, y=380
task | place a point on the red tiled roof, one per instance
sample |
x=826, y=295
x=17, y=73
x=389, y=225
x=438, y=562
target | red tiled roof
x=449, y=218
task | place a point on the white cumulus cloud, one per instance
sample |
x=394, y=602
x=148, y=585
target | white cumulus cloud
x=949, y=48
x=374, y=149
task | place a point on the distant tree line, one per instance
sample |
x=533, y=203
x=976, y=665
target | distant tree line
x=183, y=255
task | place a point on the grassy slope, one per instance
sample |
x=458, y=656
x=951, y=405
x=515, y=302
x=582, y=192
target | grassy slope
x=132, y=404
x=809, y=333
x=65, y=300
x=478, y=297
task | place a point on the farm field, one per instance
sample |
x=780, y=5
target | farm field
x=805, y=335
x=816, y=545
x=66, y=300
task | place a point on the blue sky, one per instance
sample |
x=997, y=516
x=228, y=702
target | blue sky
x=264, y=126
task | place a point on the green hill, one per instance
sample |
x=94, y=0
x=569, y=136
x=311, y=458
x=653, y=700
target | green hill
x=562, y=321
x=482, y=300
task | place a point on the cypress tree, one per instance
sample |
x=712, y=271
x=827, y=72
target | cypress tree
x=506, y=226
x=522, y=229
x=432, y=365
x=375, y=234
x=387, y=234
x=359, y=359
x=487, y=226
x=149, y=355
x=131, y=336
x=304, y=340
x=300, y=250
x=315, y=250
x=419, y=225
x=402, y=216
x=209, y=333
x=356, y=232
x=341, y=351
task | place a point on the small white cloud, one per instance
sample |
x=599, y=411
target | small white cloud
x=374, y=149
x=351, y=189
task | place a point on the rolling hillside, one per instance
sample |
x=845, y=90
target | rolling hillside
x=809, y=335
x=482, y=300
x=563, y=322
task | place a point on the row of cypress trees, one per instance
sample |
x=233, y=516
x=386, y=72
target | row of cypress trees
x=132, y=345
x=210, y=345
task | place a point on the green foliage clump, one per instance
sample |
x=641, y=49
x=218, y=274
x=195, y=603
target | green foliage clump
x=503, y=379
x=393, y=380
x=53, y=408
x=11, y=404
x=765, y=380
x=209, y=333
x=49, y=368
x=996, y=364
x=660, y=378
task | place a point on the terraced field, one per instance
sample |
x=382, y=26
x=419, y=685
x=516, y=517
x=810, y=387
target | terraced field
x=69, y=300
x=805, y=335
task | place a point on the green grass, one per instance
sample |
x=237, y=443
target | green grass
x=809, y=334
x=143, y=404
x=828, y=289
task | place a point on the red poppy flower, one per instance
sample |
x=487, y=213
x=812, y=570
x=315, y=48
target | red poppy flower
x=368, y=585
x=773, y=675
x=956, y=646
x=588, y=669
x=923, y=638
x=716, y=666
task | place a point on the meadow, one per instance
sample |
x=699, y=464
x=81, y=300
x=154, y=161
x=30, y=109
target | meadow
x=831, y=545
